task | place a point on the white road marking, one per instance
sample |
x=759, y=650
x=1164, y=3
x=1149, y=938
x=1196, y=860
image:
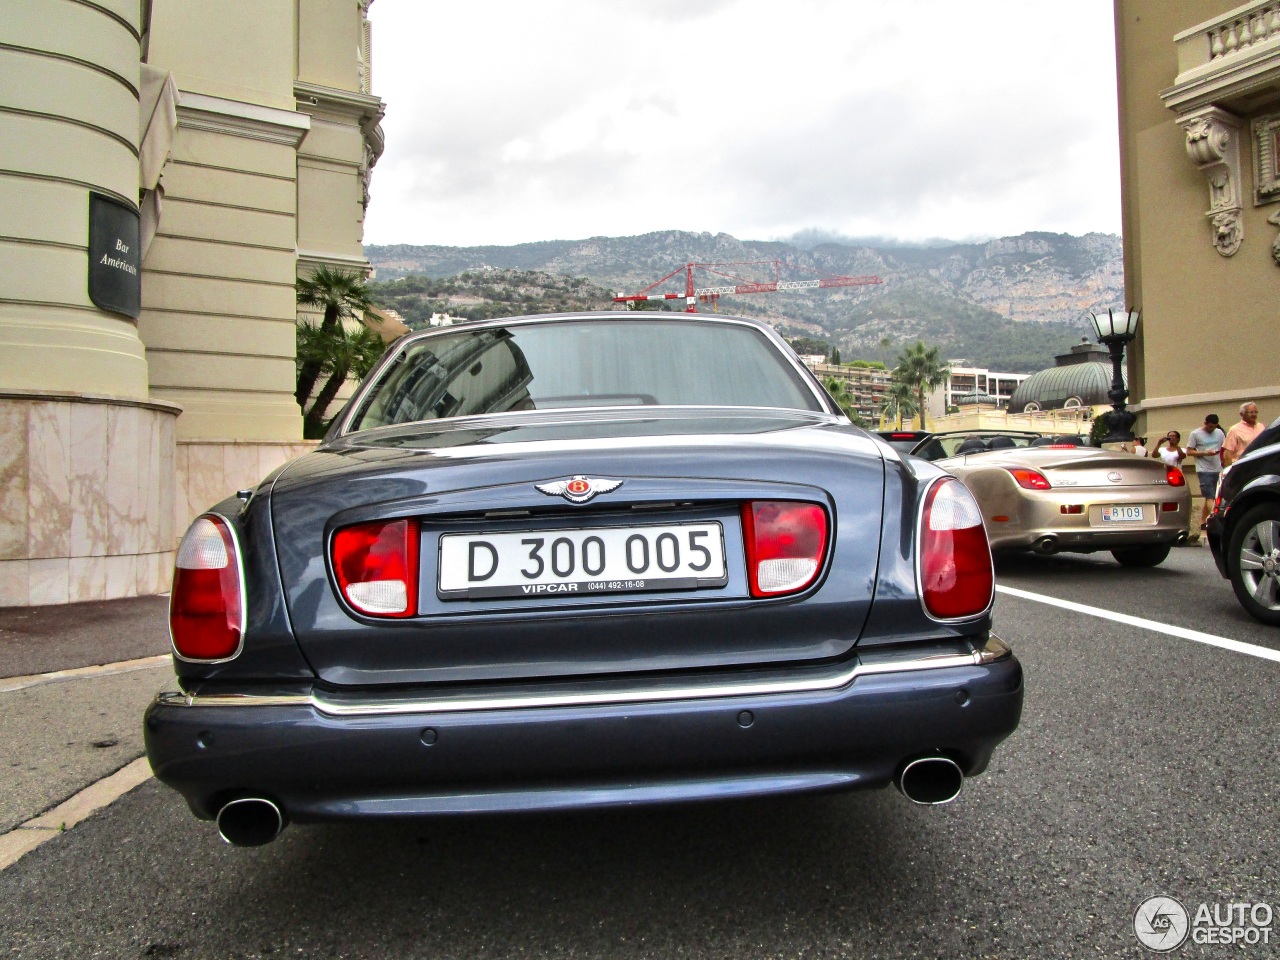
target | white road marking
x=1253, y=650
x=27, y=836
x=10, y=684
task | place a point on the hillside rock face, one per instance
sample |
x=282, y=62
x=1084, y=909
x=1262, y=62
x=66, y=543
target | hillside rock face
x=1014, y=301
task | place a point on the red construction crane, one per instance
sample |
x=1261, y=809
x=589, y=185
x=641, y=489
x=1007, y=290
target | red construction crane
x=692, y=295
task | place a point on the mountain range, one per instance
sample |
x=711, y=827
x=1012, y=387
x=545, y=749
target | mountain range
x=1007, y=304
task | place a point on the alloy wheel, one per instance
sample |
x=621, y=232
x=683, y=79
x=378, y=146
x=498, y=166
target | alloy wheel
x=1260, y=563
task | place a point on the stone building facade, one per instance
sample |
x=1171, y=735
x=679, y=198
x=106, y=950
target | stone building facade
x=1199, y=98
x=239, y=158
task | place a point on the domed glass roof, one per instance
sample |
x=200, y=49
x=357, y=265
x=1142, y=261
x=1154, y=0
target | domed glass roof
x=1050, y=389
x=974, y=398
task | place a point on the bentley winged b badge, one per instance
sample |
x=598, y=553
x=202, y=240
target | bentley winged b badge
x=577, y=489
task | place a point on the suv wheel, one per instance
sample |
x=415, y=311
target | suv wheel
x=1148, y=555
x=1254, y=558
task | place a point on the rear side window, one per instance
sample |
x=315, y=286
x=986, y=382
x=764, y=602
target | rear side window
x=574, y=364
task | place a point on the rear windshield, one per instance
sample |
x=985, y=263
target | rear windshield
x=556, y=365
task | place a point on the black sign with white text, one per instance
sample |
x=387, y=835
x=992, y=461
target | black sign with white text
x=115, y=255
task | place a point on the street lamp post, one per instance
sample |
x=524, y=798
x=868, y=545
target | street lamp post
x=1115, y=330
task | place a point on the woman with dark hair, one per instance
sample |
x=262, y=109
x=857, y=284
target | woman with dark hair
x=1170, y=449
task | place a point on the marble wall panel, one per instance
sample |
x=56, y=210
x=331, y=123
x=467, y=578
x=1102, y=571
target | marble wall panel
x=15, y=583
x=86, y=500
x=50, y=581
x=89, y=514
x=13, y=480
x=147, y=494
x=123, y=513
x=205, y=479
x=87, y=579
x=49, y=481
x=241, y=466
x=121, y=578
x=168, y=482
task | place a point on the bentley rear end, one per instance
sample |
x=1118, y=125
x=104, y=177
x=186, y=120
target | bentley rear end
x=571, y=562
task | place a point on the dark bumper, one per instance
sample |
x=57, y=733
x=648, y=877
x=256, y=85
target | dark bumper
x=1215, y=532
x=320, y=766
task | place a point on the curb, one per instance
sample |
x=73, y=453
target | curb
x=25, y=837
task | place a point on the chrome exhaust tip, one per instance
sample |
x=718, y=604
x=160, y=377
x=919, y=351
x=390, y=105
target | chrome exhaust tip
x=931, y=780
x=250, y=822
x=1045, y=546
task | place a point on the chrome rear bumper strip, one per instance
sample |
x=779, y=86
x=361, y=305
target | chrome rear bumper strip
x=586, y=694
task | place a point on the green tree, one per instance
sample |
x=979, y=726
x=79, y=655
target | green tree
x=342, y=295
x=900, y=401
x=835, y=357
x=338, y=353
x=921, y=367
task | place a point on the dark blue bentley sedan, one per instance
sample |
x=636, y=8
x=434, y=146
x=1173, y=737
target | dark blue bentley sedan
x=577, y=561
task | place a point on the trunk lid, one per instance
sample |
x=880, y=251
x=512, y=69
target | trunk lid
x=683, y=474
x=1100, y=468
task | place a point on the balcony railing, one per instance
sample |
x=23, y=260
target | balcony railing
x=1227, y=56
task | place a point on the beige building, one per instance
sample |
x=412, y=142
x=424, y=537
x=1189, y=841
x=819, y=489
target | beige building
x=1199, y=97
x=167, y=169
x=867, y=385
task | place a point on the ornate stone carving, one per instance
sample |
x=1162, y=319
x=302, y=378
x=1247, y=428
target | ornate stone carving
x=1266, y=159
x=1213, y=144
x=1275, y=244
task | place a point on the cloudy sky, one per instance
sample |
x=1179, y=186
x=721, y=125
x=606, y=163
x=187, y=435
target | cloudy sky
x=518, y=120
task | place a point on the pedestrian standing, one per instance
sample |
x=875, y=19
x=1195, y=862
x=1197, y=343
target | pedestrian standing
x=1242, y=434
x=1170, y=449
x=1204, y=446
x=1140, y=447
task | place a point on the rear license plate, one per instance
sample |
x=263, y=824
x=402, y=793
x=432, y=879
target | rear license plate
x=550, y=563
x=1122, y=514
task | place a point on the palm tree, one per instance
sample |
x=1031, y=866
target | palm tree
x=342, y=295
x=338, y=353
x=839, y=390
x=923, y=369
x=900, y=401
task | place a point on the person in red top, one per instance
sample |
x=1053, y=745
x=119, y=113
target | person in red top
x=1242, y=434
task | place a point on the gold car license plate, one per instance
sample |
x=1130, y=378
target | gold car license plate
x=1123, y=514
x=568, y=562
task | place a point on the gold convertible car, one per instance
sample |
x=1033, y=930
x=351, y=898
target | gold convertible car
x=1057, y=494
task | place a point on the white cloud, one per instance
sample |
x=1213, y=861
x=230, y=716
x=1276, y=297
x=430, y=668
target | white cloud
x=508, y=122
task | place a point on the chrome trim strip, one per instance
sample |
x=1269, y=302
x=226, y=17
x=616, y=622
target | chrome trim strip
x=995, y=649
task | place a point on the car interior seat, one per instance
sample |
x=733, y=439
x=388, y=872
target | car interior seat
x=1001, y=443
x=972, y=445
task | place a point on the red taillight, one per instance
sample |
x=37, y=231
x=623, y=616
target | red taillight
x=1072, y=508
x=1030, y=479
x=1174, y=477
x=206, y=610
x=785, y=544
x=376, y=565
x=956, y=576
x=1168, y=507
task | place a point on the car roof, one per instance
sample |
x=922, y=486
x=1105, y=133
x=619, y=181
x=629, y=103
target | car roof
x=642, y=315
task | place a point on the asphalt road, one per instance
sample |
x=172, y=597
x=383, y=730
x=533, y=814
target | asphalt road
x=1145, y=764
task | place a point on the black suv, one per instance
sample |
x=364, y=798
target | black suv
x=1244, y=528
